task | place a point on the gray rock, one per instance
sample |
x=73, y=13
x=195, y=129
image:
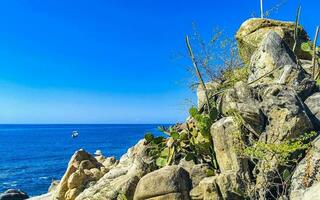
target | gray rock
x=198, y=173
x=313, y=103
x=286, y=114
x=170, y=181
x=286, y=119
x=13, y=194
x=273, y=53
x=242, y=99
x=306, y=174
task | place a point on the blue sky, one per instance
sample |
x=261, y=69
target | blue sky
x=110, y=61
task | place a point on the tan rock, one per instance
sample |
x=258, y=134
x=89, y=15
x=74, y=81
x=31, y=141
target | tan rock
x=167, y=180
x=122, y=179
x=253, y=31
x=82, y=171
x=224, y=133
x=228, y=185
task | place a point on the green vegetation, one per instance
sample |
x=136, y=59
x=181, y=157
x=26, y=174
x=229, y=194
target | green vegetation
x=192, y=143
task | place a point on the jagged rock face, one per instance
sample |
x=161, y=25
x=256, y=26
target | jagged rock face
x=228, y=185
x=286, y=119
x=286, y=114
x=307, y=174
x=253, y=31
x=313, y=103
x=170, y=182
x=273, y=53
x=223, y=133
x=83, y=171
x=123, y=178
x=242, y=99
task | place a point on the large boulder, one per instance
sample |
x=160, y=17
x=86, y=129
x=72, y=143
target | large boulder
x=122, y=179
x=226, y=134
x=228, y=185
x=242, y=99
x=273, y=53
x=83, y=171
x=253, y=31
x=170, y=182
x=307, y=174
x=13, y=194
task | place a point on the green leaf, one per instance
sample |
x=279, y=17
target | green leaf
x=210, y=172
x=193, y=111
x=174, y=135
x=183, y=136
x=149, y=137
x=161, y=162
x=306, y=46
x=318, y=82
x=190, y=156
x=164, y=153
x=286, y=175
x=214, y=113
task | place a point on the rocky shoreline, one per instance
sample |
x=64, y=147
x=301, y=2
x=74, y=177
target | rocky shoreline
x=270, y=116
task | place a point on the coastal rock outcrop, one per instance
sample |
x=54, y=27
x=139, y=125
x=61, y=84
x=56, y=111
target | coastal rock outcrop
x=246, y=146
x=122, y=179
x=82, y=172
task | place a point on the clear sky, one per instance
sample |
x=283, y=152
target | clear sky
x=110, y=61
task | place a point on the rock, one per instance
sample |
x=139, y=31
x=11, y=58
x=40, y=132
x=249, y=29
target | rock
x=122, y=179
x=286, y=119
x=13, y=194
x=168, y=182
x=241, y=98
x=228, y=185
x=79, y=175
x=313, y=104
x=198, y=173
x=307, y=173
x=211, y=87
x=253, y=31
x=272, y=54
x=47, y=196
x=186, y=165
x=286, y=114
x=225, y=134
x=54, y=184
x=312, y=193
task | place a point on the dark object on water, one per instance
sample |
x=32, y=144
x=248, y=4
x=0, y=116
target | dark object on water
x=13, y=194
x=74, y=134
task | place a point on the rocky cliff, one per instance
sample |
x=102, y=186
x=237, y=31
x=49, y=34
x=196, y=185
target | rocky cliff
x=259, y=140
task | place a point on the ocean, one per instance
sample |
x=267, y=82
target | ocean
x=32, y=155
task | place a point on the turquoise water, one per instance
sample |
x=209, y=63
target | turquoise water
x=33, y=155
